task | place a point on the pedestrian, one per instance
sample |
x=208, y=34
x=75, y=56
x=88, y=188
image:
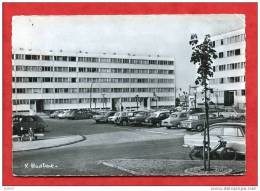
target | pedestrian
x=31, y=134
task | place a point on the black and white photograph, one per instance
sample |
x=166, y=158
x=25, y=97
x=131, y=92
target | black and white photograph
x=129, y=95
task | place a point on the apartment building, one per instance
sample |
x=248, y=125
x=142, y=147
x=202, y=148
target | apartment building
x=228, y=82
x=48, y=80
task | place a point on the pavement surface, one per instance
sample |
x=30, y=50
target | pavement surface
x=46, y=143
x=169, y=167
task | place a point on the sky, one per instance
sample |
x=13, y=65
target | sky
x=166, y=35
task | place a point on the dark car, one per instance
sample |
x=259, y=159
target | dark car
x=79, y=114
x=103, y=117
x=156, y=118
x=26, y=122
x=139, y=118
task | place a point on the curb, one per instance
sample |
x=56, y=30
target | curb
x=83, y=138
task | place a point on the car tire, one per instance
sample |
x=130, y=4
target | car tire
x=242, y=118
x=158, y=124
x=168, y=127
x=199, y=128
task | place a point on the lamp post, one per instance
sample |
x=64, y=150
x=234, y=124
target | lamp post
x=103, y=100
x=90, y=96
x=137, y=99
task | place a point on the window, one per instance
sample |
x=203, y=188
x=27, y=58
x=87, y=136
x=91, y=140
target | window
x=243, y=92
x=222, y=41
x=19, y=56
x=73, y=80
x=230, y=131
x=72, y=69
x=237, y=52
x=216, y=131
x=221, y=55
x=72, y=58
x=45, y=57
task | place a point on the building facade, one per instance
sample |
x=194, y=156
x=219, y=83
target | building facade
x=44, y=81
x=228, y=82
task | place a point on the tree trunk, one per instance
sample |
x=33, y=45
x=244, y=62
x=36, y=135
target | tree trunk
x=207, y=127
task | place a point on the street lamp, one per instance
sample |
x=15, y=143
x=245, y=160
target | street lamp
x=90, y=96
x=137, y=99
x=103, y=99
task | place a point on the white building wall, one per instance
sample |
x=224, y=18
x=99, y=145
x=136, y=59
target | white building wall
x=237, y=87
x=51, y=98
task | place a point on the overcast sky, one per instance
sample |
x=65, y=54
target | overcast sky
x=167, y=35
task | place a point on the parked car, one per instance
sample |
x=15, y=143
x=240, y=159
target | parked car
x=233, y=113
x=54, y=114
x=79, y=114
x=196, y=121
x=28, y=121
x=174, y=119
x=231, y=132
x=195, y=110
x=122, y=118
x=156, y=118
x=139, y=118
x=112, y=118
x=64, y=114
x=103, y=117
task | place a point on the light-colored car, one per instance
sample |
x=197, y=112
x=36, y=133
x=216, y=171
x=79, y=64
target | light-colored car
x=231, y=132
x=196, y=121
x=233, y=113
x=112, y=119
x=174, y=119
x=103, y=116
x=64, y=114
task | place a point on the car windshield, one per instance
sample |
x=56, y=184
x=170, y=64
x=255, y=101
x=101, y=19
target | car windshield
x=117, y=114
x=140, y=114
x=194, y=117
x=154, y=114
x=174, y=115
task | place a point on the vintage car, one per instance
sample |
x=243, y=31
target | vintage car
x=174, y=119
x=79, y=114
x=103, y=116
x=196, y=121
x=55, y=114
x=139, y=118
x=64, y=114
x=156, y=118
x=122, y=118
x=28, y=121
x=233, y=113
x=231, y=132
x=112, y=118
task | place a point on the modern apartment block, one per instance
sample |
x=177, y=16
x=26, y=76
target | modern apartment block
x=228, y=82
x=51, y=80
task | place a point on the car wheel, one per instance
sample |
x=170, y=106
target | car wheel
x=196, y=153
x=158, y=124
x=221, y=116
x=168, y=127
x=242, y=118
x=199, y=128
